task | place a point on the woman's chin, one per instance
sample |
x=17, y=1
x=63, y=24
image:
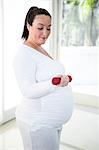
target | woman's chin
x=42, y=41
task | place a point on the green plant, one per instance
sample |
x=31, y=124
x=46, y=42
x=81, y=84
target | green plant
x=87, y=6
x=90, y=3
x=73, y=2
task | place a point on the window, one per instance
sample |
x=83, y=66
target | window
x=78, y=45
x=80, y=23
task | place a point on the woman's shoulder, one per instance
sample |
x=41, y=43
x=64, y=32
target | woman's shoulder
x=24, y=55
x=25, y=51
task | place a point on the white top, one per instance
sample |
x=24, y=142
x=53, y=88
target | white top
x=43, y=103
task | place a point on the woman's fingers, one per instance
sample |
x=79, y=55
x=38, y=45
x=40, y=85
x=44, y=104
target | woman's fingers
x=64, y=81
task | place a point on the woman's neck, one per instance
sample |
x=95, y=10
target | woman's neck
x=37, y=47
x=33, y=45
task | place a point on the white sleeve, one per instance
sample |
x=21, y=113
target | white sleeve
x=25, y=72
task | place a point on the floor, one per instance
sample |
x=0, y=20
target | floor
x=80, y=133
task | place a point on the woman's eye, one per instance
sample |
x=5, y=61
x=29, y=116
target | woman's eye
x=48, y=29
x=43, y=28
x=40, y=28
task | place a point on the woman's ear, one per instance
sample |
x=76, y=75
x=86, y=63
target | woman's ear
x=28, y=26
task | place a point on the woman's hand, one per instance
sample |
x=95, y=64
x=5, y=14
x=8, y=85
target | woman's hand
x=61, y=80
x=64, y=81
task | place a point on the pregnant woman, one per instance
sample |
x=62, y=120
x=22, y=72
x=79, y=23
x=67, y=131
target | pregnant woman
x=46, y=105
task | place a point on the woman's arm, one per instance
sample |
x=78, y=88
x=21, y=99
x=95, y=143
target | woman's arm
x=25, y=72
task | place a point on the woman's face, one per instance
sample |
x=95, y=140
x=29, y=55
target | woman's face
x=40, y=29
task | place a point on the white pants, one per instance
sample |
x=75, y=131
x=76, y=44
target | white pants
x=40, y=139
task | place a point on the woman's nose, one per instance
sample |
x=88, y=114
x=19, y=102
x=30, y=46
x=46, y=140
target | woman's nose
x=45, y=32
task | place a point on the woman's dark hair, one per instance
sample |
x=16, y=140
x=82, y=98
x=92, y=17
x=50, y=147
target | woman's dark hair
x=31, y=14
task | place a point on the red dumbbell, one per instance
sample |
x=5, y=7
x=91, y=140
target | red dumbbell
x=70, y=78
x=57, y=80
